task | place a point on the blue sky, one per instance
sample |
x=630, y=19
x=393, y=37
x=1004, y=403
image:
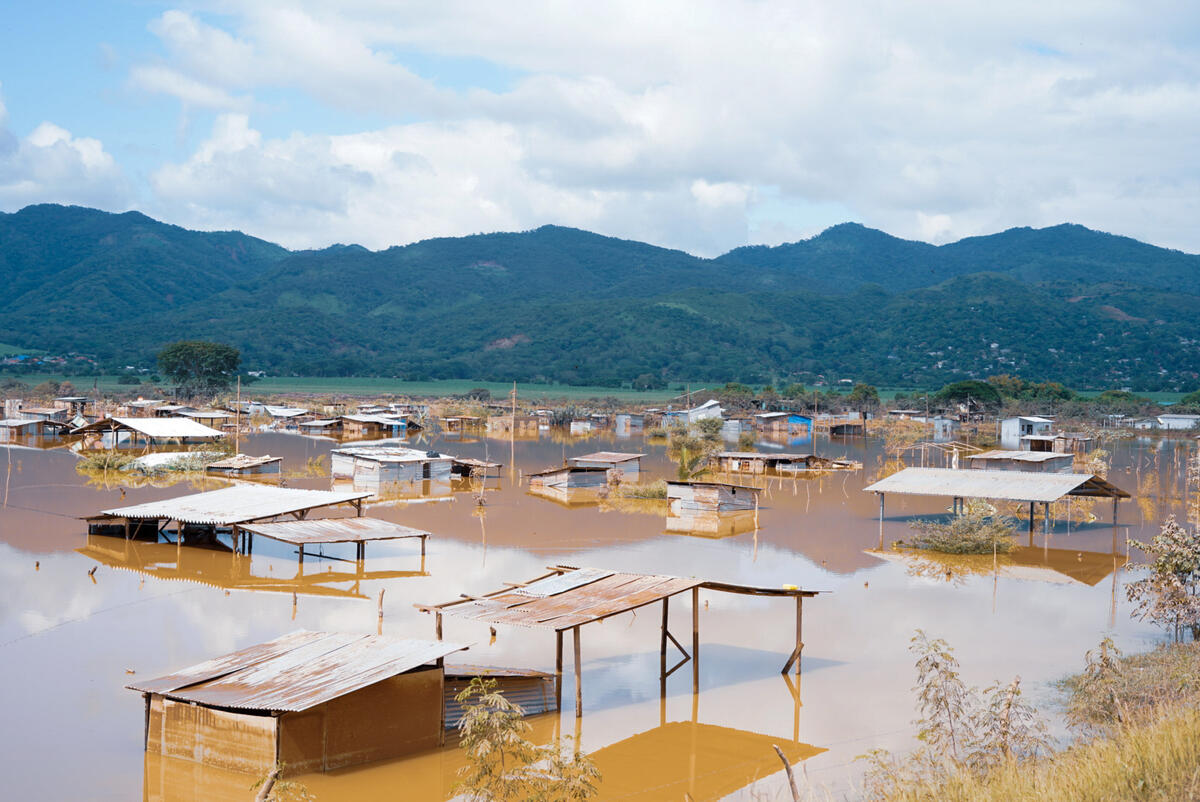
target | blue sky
x=697, y=125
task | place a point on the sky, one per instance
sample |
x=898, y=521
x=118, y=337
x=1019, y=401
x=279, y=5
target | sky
x=695, y=125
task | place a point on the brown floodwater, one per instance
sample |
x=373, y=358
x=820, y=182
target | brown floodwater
x=71, y=637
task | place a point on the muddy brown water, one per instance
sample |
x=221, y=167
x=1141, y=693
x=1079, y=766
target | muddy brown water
x=70, y=641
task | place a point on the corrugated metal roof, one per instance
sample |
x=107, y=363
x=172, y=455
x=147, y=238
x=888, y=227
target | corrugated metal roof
x=694, y=483
x=382, y=420
x=607, y=456
x=235, y=505
x=18, y=423
x=1000, y=485
x=167, y=428
x=285, y=412
x=562, y=602
x=1022, y=456
x=334, y=530
x=763, y=455
x=391, y=454
x=244, y=461
x=205, y=414
x=297, y=671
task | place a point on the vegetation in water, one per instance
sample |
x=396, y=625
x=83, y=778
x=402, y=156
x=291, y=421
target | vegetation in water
x=980, y=529
x=503, y=765
x=104, y=461
x=648, y=490
x=1169, y=595
x=691, y=448
x=963, y=731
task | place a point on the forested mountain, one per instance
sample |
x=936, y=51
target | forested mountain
x=1063, y=303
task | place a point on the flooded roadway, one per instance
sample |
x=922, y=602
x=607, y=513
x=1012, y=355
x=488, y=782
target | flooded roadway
x=71, y=637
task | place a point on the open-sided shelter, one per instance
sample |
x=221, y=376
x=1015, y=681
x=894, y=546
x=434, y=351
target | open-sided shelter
x=629, y=464
x=569, y=597
x=312, y=701
x=114, y=432
x=1031, y=461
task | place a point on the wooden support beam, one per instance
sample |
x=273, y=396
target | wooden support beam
x=437, y=625
x=578, y=677
x=662, y=642
x=558, y=669
x=695, y=640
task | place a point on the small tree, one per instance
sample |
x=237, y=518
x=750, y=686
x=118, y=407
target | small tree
x=503, y=765
x=692, y=447
x=863, y=397
x=1168, y=597
x=199, y=367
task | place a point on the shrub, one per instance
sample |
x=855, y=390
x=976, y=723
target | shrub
x=977, y=531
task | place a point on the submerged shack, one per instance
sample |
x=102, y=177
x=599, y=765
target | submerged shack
x=389, y=464
x=244, y=465
x=1032, y=461
x=624, y=464
x=762, y=462
x=690, y=498
x=569, y=476
x=311, y=701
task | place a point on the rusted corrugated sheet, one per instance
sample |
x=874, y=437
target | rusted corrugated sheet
x=607, y=456
x=1002, y=485
x=298, y=671
x=234, y=505
x=334, y=530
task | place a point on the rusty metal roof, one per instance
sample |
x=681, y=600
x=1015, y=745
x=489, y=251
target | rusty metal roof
x=696, y=483
x=239, y=461
x=235, y=505
x=607, y=456
x=297, y=671
x=167, y=428
x=569, y=597
x=334, y=530
x=999, y=485
x=763, y=455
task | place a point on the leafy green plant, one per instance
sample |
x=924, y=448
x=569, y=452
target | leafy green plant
x=503, y=765
x=1169, y=596
x=978, y=530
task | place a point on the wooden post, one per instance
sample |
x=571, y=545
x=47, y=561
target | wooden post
x=799, y=631
x=662, y=643
x=578, y=678
x=696, y=640
x=881, y=497
x=437, y=625
x=423, y=537
x=1031, y=523
x=558, y=674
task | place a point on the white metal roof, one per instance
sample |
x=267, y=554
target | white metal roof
x=391, y=454
x=1022, y=456
x=204, y=414
x=297, y=671
x=335, y=530
x=999, y=485
x=234, y=505
x=384, y=420
x=167, y=428
x=285, y=412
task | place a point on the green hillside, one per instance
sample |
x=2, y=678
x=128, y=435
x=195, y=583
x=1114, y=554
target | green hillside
x=561, y=305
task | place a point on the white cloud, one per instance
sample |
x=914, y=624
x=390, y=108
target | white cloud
x=670, y=120
x=52, y=166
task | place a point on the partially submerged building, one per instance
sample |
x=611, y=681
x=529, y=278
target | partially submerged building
x=790, y=424
x=779, y=462
x=1013, y=429
x=689, y=498
x=1036, y=461
x=682, y=417
x=14, y=428
x=625, y=465
x=569, y=476
x=382, y=465
x=310, y=701
x=375, y=425
x=1061, y=443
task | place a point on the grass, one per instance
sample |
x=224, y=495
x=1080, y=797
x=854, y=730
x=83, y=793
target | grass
x=650, y=490
x=1151, y=762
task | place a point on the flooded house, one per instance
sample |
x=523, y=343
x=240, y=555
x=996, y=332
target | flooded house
x=694, y=497
x=310, y=701
x=386, y=465
x=132, y=432
x=779, y=462
x=946, y=428
x=1063, y=443
x=1013, y=429
x=209, y=417
x=142, y=407
x=570, y=477
x=624, y=465
x=54, y=414
x=789, y=424
x=1035, y=461
x=626, y=423
x=682, y=417
x=374, y=425
x=14, y=428
x=1178, y=422
x=327, y=427
x=285, y=415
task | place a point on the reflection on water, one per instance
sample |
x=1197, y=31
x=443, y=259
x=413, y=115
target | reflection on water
x=68, y=638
